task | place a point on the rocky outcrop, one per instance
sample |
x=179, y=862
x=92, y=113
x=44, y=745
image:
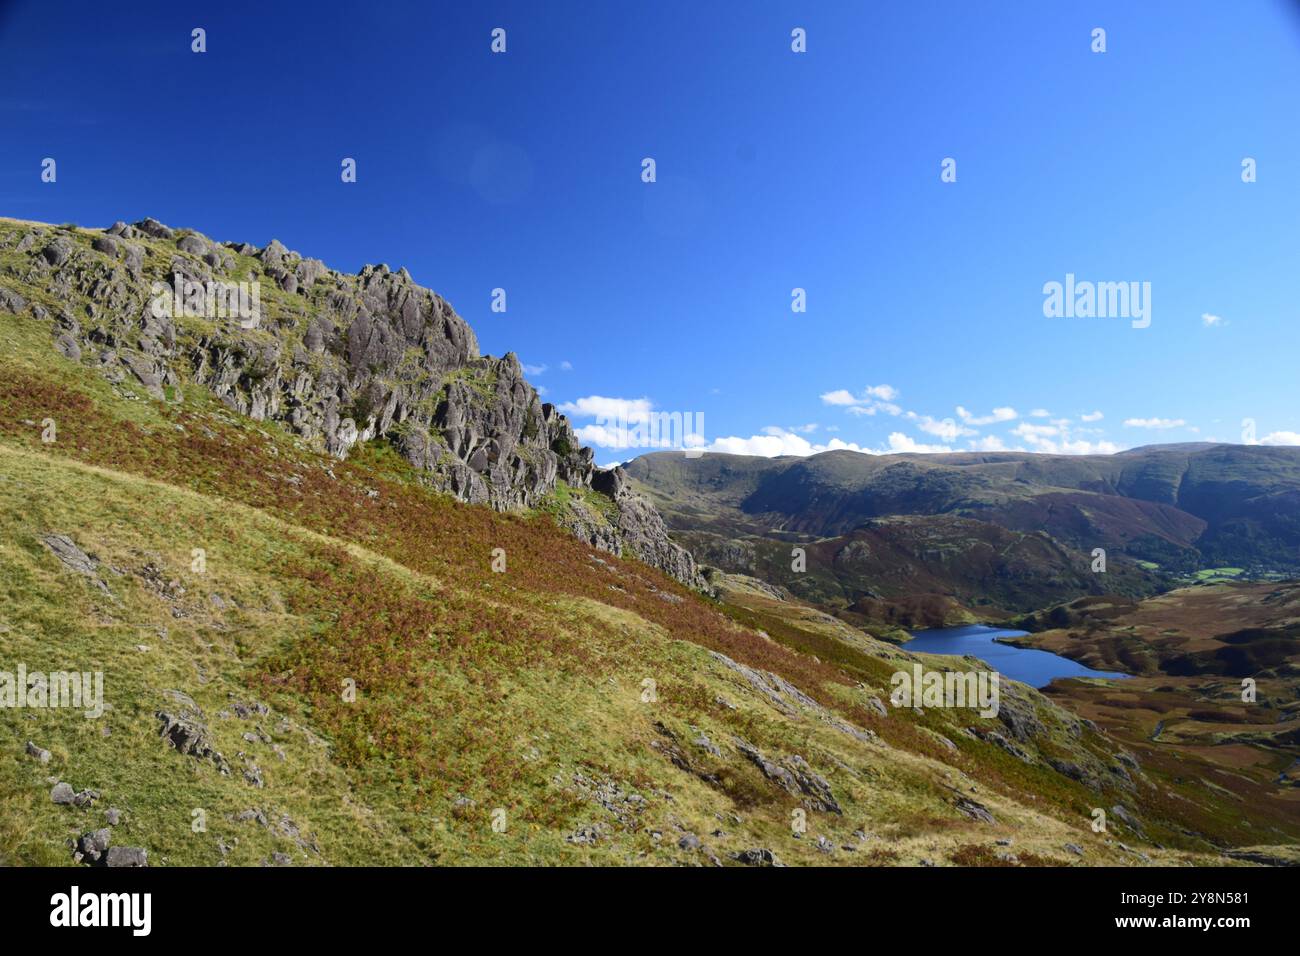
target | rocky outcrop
x=339, y=359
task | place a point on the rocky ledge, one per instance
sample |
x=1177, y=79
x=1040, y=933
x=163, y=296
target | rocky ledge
x=337, y=358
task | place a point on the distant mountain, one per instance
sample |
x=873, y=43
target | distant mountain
x=1158, y=512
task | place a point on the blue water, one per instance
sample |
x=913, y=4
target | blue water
x=1036, y=668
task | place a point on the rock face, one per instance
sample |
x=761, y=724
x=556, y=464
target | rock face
x=338, y=359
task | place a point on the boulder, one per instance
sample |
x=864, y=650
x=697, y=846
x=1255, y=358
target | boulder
x=759, y=856
x=92, y=847
x=62, y=793
x=58, y=251
x=40, y=753
x=127, y=856
x=192, y=244
x=154, y=229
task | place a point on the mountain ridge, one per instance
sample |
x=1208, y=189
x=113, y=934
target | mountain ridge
x=1157, y=516
x=340, y=359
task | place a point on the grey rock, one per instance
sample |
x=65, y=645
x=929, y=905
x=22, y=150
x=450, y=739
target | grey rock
x=68, y=346
x=58, y=251
x=795, y=776
x=192, y=244
x=127, y=856
x=779, y=692
x=1072, y=770
x=185, y=730
x=689, y=842
x=62, y=793
x=759, y=856
x=134, y=259
x=66, y=550
x=93, y=846
x=40, y=753
x=993, y=737
x=11, y=301
x=585, y=836
x=974, y=809
x=113, y=816
x=1122, y=814
x=707, y=745
x=154, y=229
x=380, y=357
x=1017, y=714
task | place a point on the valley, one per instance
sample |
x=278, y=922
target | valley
x=1188, y=629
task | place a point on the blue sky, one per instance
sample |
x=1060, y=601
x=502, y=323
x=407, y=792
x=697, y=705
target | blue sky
x=775, y=170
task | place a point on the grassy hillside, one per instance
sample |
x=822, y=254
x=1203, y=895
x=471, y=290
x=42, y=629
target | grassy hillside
x=1186, y=710
x=594, y=709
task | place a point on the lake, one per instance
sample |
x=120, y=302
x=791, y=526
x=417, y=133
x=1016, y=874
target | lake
x=1032, y=667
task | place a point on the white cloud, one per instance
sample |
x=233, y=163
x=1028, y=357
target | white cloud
x=900, y=443
x=1003, y=414
x=598, y=406
x=1058, y=437
x=1092, y=416
x=1154, y=422
x=776, y=442
x=1281, y=438
x=888, y=407
x=840, y=396
x=989, y=443
x=1209, y=320
x=1040, y=413
x=566, y=367
x=601, y=436
x=1034, y=433
x=534, y=369
x=947, y=429
x=874, y=398
x=1088, y=448
x=541, y=390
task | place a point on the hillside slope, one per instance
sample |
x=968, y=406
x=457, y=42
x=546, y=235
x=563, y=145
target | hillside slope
x=309, y=660
x=338, y=359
